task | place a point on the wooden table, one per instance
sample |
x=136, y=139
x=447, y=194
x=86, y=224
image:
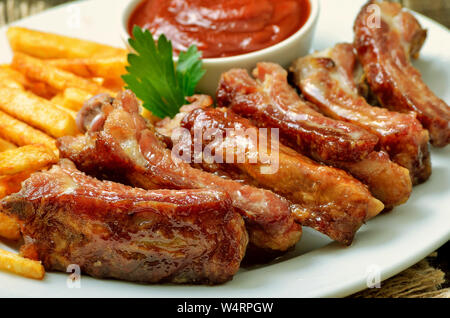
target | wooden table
x=439, y=10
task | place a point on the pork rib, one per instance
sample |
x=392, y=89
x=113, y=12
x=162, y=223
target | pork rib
x=327, y=199
x=314, y=133
x=384, y=51
x=115, y=231
x=269, y=101
x=119, y=146
x=327, y=79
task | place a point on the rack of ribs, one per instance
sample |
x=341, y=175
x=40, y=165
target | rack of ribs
x=327, y=79
x=119, y=146
x=327, y=199
x=384, y=51
x=269, y=101
x=114, y=231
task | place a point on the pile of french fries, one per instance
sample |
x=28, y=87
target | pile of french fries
x=46, y=84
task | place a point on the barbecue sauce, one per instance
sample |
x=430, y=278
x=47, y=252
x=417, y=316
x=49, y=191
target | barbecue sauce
x=221, y=28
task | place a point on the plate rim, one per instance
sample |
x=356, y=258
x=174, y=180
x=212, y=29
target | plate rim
x=347, y=289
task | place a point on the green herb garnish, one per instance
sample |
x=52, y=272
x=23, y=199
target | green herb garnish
x=154, y=78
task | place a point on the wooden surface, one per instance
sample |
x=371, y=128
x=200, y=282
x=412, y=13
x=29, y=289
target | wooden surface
x=435, y=266
x=11, y=10
x=438, y=10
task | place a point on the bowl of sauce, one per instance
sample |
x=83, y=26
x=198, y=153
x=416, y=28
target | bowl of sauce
x=229, y=33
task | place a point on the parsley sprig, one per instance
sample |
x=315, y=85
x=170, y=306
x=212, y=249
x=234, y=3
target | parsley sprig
x=154, y=77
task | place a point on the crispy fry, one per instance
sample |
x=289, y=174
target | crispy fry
x=58, y=99
x=38, y=70
x=22, y=134
x=9, y=229
x=41, y=89
x=36, y=111
x=76, y=97
x=6, y=145
x=12, y=78
x=98, y=80
x=56, y=102
x=14, y=263
x=51, y=46
x=149, y=116
x=109, y=67
x=114, y=85
x=12, y=183
x=72, y=98
x=62, y=104
x=32, y=157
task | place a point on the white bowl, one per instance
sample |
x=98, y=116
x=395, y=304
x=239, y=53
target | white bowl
x=283, y=53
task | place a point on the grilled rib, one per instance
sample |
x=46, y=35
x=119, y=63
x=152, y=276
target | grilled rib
x=327, y=79
x=114, y=231
x=118, y=146
x=269, y=101
x=327, y=199
x=385, y=52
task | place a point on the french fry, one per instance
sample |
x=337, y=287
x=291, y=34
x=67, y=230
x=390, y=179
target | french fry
x=75, y=98
x=114, y=85
x=58, y=99
x=72, y=98
x=60, y=102
x=6, y=145
x=38, y=70
x=22, y=134
x=12, y=183
x=149, y=116
x=37, y=112
x=3, y=190
x=11, y=78
x=71, y=113
x=16, y=264
x=98, y=80
x=52, y=46
x=108, y=67
x=32, y=157
x=41, y=89
x=9, y=229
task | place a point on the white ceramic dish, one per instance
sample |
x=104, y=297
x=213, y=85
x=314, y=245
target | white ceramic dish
x=317, y=267
x=282, y=53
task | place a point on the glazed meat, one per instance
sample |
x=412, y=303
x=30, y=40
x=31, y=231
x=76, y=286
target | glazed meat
x=119, y=146
x=328, y=80
x=114, y=231
x=269, y=101
x=385, y=55
x=387, y=181
x=273, y=103
x=327, y=199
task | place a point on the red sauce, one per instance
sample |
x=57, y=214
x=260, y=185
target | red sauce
x=222, y=27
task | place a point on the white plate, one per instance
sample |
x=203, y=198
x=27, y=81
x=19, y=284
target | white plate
x=317, y=268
